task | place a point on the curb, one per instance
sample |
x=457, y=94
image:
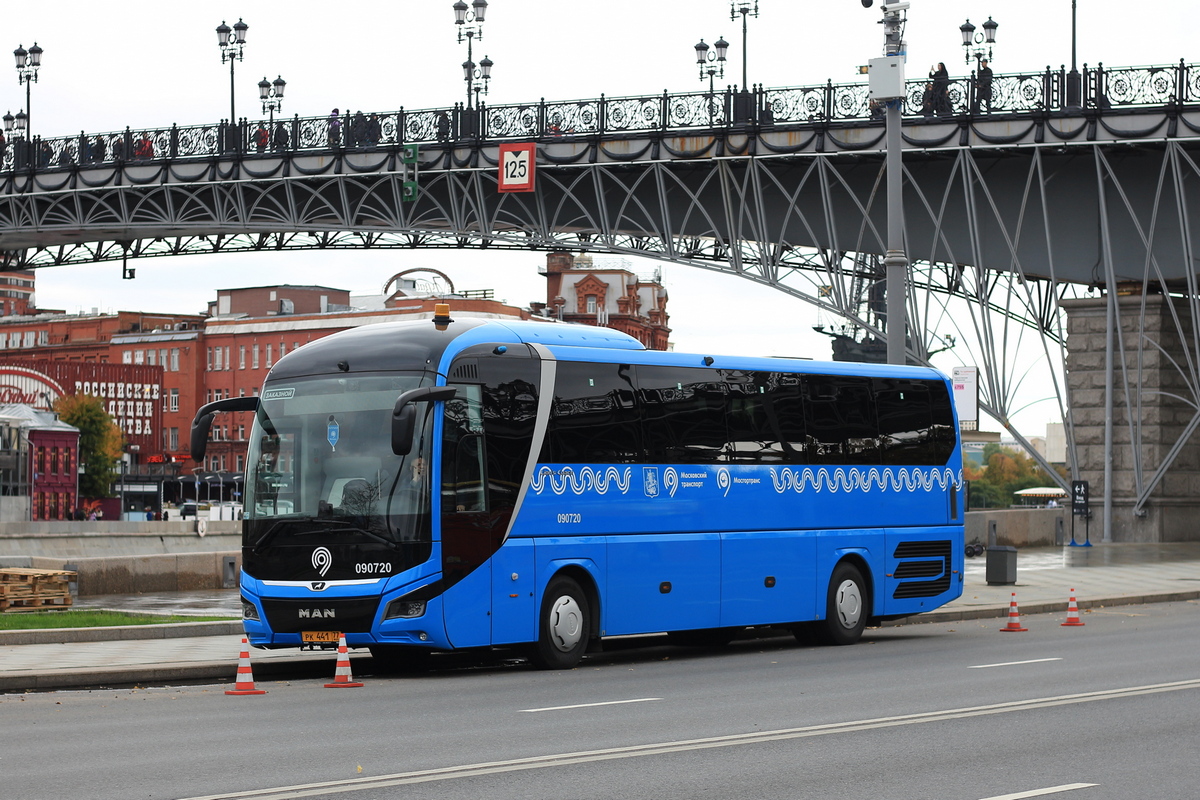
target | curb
x=113, y=633
x=168, y=672
x=990, y=612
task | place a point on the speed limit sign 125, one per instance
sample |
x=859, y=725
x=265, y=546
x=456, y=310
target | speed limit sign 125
x=516, y=167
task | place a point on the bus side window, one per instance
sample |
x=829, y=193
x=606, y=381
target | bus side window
x=463, y=477
x=840, y=419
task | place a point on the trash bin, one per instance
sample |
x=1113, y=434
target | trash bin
x=1001, y=566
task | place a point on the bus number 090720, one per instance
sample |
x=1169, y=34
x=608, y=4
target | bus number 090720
x=570, y=518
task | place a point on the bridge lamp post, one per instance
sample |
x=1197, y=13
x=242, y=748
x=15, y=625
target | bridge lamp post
x=1074, y=83
x=712, y=64
x=744, y=8
x=887, y=85
x=28, y=62
x=469, y=20
x=271, y=94
x=978, y=40
x=232, y=50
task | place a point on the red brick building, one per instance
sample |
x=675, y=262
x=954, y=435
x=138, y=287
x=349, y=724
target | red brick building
x=608, y=296
x=39, y=458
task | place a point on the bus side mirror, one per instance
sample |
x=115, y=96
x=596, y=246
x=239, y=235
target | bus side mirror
x=404, y=416
x=202, y=422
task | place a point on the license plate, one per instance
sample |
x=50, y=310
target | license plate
x=320, y=636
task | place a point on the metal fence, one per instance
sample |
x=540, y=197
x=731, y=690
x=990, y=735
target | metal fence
x=1100, y=90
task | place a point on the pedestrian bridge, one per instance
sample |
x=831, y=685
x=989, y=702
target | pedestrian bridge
x=1009, y=210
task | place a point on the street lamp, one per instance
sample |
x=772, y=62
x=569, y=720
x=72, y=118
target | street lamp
x=1074, y=84
x=977, y=40
x=232, y=50
x=742, y=101
x=711, y=64
x=271, y=94
x=887, y=84
x=28, y=62
x=469, y=20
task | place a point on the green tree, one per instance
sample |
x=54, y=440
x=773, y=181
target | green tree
x=100, y=442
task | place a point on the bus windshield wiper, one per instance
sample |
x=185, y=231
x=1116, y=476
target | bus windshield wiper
x=323, y=526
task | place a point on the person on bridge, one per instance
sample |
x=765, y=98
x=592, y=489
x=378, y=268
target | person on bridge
x=261, y=138
x=99, y=150
x=279, y=140
x=940, y=80
x=143, y=147
x=983, y=87
x=335, y=129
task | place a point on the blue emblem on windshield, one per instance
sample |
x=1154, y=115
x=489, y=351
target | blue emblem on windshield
x=332, y=433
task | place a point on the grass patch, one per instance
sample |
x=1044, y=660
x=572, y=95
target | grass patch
x=86, y=618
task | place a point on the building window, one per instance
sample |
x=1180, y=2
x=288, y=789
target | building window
x=151, y=355
x=174, y=359
x=268, y=356
x=241, y=356
x=228, y=360
x=174, y=402
x=43, y=338
x=162, y=358
x=216, y=359
x=173, y=440
x=241, y=463
x=282, y=349
x=3, y=341
x=29, y=338
x=139, y=356
x=591, y=304
x=127, y=357
x=210, y=360
x=254, y=356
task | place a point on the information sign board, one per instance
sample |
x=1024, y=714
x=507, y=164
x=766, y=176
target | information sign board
x=516, y=167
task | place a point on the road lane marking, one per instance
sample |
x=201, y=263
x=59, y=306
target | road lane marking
x=1066, y=787
x=589, y=705
x=1014, y=663
x=663, y=748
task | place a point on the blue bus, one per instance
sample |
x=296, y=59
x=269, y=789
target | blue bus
x=445, y=484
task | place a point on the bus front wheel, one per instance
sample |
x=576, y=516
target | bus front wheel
x=847, y=607
x=564, y=627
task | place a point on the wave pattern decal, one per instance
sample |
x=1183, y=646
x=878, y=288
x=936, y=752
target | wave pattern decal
x=587, y=479
x=863, y=479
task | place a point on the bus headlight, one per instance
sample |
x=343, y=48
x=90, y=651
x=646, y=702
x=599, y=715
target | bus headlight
x=249, y=610
x=404, y=609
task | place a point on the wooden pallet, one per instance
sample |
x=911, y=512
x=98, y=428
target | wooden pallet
x=23, y=589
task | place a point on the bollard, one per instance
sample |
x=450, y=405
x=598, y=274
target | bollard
x=229, y=573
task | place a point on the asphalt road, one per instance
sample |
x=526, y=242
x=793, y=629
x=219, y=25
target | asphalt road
x=958, y=711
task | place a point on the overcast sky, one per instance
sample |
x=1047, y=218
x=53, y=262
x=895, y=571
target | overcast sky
x=108, y=67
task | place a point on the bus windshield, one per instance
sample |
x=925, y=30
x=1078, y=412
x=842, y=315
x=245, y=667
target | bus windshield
x=320, y=464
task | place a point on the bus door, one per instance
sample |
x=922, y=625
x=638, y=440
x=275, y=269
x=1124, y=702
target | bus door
x=467, y=532
x=486, y=441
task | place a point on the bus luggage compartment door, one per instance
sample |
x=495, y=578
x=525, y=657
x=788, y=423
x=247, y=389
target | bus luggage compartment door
x=663, y=582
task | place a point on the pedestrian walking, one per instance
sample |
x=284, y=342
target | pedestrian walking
x=983, y=87
x=335, y=129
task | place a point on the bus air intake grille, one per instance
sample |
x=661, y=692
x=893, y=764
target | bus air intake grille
x=934, y=564
x=469, y=372
x=345, y=614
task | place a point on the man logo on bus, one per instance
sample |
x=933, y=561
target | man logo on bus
x=650, y=481
x=322, y=560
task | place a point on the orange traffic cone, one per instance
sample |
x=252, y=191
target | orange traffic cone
x=342, y=678
x=1014, y=618
x=245, y=678
x=1072, y=612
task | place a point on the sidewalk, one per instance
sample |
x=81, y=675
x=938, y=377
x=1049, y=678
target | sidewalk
x=1102, y=575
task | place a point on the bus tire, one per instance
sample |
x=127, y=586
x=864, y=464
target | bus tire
x=847, y=606
x=564, y=626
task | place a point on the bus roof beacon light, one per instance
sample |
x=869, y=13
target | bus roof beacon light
x=441, y=316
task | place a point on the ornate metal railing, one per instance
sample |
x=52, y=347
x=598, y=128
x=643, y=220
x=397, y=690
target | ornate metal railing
x=1100, y=90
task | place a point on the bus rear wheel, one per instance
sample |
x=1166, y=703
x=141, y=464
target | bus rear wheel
x=847, y=607
x=563, y=628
